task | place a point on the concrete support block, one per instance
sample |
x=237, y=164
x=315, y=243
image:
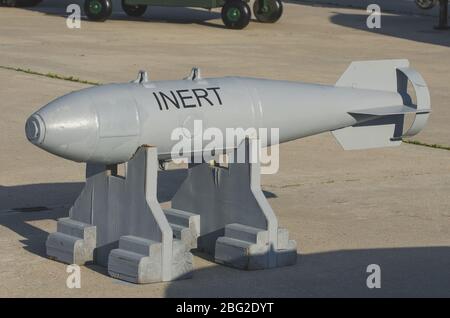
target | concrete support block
x=240, y=254
x=185, y=226
x=139, y=261
x=73, y=243
x=283, y=239
x=238, y=227
x=247, y=233
x=287, y=256
x=117, y=222
x=246, y=247
x=182, y=261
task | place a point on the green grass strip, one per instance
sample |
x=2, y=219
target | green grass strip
x=423, y=144
x=49, y=75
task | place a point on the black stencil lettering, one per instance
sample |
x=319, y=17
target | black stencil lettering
x=200, y=94
x=157, y=99
x=184, y=98
x=215, y=89
x=166, y=98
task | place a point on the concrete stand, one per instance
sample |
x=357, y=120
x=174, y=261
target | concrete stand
x=118, y=223
x=237, y=225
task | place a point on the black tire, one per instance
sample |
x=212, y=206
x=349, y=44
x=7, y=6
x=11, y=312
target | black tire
x=271, y=14
x=98, y=10
x=426, y=4
x=236, y=14
x=21, y=3
x=133, y=11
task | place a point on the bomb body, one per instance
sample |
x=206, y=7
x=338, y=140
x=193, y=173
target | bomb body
x=107, y=124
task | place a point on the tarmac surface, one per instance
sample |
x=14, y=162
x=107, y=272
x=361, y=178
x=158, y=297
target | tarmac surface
x=346, y=210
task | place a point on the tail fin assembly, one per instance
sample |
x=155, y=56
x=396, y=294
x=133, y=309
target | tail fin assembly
x=386, y=127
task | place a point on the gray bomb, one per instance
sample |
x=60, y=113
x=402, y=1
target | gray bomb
x=106, y=124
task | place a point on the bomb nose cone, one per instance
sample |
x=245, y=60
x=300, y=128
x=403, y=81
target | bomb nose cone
x=35, y=129
x=97, y=124
x=66, y=127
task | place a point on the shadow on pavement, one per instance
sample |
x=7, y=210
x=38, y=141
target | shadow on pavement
x=405, y=272
x=412, y=272
x=22, y=204
x=414, y=28
x=407, y=7
x=407, y=26
x=414, y=25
